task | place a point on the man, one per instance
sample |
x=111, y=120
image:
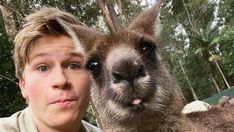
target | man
x=52, y=77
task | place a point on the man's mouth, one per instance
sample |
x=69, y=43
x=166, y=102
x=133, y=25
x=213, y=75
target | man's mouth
x=62, y=101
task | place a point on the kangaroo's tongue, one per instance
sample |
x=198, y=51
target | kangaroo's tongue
x=136, y=101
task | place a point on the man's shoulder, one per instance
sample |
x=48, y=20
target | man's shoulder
x=90, y=128
x=21, y=121
x=10, y=124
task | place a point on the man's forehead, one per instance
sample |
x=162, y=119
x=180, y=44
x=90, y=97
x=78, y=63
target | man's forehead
x=46, y=54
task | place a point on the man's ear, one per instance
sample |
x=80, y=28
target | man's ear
x=24, y=91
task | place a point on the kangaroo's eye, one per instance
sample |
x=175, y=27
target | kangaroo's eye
x=147, y=48
x=94, y=66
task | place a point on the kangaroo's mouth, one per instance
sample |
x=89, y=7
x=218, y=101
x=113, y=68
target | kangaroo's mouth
x=136, y=105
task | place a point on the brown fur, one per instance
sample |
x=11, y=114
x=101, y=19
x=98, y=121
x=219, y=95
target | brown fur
x=217, y=119
x=132, y=89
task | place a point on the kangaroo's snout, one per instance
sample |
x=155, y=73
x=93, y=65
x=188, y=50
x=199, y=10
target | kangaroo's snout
x=126, y=66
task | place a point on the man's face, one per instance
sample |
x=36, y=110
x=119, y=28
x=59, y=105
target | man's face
x=55, y=85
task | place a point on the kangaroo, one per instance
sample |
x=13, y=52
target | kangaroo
x=132, y=90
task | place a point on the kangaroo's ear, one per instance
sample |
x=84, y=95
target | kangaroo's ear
x=87, y=36
x=82, y=35
x=148, y=22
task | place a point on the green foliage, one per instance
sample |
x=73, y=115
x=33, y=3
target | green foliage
x=226, y=10
x=86, y=11
x=90, y=116
x=199, y=75
x=132, y=9
x=191, y=37
x=10, y=96
x=227, y=49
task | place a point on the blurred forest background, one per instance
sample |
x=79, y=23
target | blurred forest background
x=197, y=40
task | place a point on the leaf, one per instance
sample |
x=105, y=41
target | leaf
x=199, y=50
x=214, y=58
x=214, y=41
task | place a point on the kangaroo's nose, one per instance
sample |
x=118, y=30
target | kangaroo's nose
x=127, y=70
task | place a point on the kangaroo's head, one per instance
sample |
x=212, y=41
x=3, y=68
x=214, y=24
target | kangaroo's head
x=130, y=80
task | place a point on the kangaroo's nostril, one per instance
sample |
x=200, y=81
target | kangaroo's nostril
x=141, y=72
x=117, y=77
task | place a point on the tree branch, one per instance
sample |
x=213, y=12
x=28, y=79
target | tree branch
x=188, y=15
x=107, y=17
x=123, y=13
x=114, y=16
x=9, y=79
x=8, y=17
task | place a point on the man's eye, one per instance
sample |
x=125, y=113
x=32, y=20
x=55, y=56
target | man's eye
x=43, y=68
x=73, y=66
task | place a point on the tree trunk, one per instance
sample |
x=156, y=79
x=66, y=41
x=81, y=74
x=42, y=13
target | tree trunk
x=106, y=15
x=190, y=85
x=212, y=70
x=113, y=26
x=221, y=72
x=215, y=83
x=123, y=14
x=2, y=24
x=113, y=16
x=9, y=22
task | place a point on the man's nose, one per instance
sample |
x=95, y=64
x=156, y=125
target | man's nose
x=60, y=79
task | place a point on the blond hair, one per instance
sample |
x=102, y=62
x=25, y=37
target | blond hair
x=42, y=22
